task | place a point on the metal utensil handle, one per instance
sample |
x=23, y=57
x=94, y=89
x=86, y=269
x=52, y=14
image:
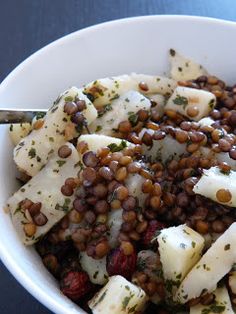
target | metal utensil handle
x=19, y=115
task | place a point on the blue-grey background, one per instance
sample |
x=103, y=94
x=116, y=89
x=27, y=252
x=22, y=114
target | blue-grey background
x=27, y=25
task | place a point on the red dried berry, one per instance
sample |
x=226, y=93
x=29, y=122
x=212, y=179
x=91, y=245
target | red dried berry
x=75, y=284
x=120, y=264
x=152, y=231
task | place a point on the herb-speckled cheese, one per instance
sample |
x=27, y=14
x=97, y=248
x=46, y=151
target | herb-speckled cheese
x=122, y=109
x=45, y=187
x=18, y=131
x=180, y=249
x=183, y=68
x=118, y=296
x=163, y=150
x=34, y=151
x=185, y=98
x=221, y=304
x=211, y=268
x=95, y=268
x=105, y=90
x=215, y=180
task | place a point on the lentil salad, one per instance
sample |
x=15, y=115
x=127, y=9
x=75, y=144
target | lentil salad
x=116, y=173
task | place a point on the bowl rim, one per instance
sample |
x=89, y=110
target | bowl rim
x=12, y=266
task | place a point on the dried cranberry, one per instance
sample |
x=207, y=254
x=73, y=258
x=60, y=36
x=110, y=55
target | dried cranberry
x=120, y=264
x=152, y=231
x=75, y=284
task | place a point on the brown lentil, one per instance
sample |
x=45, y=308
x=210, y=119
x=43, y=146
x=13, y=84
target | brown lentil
x=129, y=203
x=89, y=216
x=223, y=195
x=102, y=249
x=147, y=139
x=40, y=219
x=34, y=209
x=124, y=127
x=143, y=86
x=70, y=108
x=134, y=167
x=64, y=151
x=181, y=136
x=75, y=216
x=143, y=115
x=192, y=111
x=121, y=174
x=121, y=193
x=106, y=173
x=224, y=145
x=81, y=105
x=100, y=190
x=202, y=226
x=67, y=190
x=125, y=160
x=90, y=159
x=38, y=124
x=80, y=205
x=218, y=226
x=102, y=207
x=30, y=229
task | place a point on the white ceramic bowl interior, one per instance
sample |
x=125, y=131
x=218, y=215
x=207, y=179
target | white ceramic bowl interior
x=130, y=45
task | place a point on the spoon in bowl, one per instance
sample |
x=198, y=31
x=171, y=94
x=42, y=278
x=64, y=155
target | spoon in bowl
x=19, y=115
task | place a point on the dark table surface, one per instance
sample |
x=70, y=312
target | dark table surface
x=27, y=25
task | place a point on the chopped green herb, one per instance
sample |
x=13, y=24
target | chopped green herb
x=99, y=128
x=116, y=148
x=51, y=139
x=127, y=100
x=193, y=244
x=38, y=159
x=133, y=118
x=172, y=52
x=183, y=246
x=69, y=98
x=40, y=115
x=227, y=247
x=225, y=172
x=181, y=101
x=11, y=127
x=180, y=69
x=60, y=162
x=32, y=152
x=211, y=103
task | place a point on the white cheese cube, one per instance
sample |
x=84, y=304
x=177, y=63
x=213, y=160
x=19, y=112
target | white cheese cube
x=122, y=109
x=34, y=151
x=180, y=249
x=97, y=141
x=118, y=296
x=192, y=103
x=45, y=187
x=218, y=186
x=18, y=131
x=211, y=268
x=105, y=90
x=183, y=68
x=221, y=304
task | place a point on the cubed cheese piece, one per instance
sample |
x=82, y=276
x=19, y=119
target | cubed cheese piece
x=211, y=268
x=95, y=268
x=183, y=68
x=218, y=186
x=164, y=149
x=232, y=281
x=33, y=151
x=221, y=304
x=221, y=157
x=18, y=131
x=192, y=103
x=45, y=187
x=97, y=141
x=114, y=223
x=122, y=109
x=105, y=90
x=184, y=243
x=118, y=296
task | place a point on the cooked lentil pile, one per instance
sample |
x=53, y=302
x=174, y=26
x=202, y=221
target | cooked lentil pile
x=167, y=192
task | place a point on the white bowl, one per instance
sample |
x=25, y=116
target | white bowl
x=130, y=45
